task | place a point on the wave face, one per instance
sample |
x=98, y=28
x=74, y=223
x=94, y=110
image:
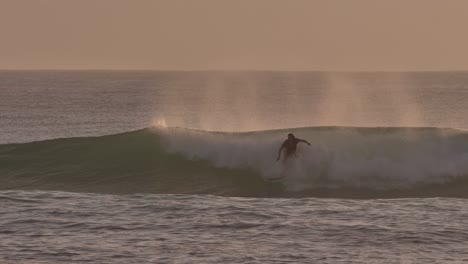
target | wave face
x=342, y=162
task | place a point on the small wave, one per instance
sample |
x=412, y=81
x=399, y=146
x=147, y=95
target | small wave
x=342, y=162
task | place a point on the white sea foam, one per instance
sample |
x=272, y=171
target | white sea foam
x=342, y=156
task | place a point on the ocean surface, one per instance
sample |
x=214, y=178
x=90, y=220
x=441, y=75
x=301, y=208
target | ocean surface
x=180, y=167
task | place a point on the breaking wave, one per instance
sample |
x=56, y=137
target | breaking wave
x=343, y=162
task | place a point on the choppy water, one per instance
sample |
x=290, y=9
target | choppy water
x=180, y=193
x=58, y=227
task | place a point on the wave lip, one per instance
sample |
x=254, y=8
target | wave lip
x=342, y=162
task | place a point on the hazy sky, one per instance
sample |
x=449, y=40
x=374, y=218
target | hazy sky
x=234, y=34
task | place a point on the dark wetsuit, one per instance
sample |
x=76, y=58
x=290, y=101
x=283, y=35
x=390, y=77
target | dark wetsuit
x=290, y=146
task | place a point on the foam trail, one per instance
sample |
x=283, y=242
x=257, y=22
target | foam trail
x=377, y=158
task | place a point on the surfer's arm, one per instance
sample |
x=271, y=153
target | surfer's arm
x=303, y=140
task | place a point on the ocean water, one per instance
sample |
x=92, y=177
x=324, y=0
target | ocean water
x=179, y=167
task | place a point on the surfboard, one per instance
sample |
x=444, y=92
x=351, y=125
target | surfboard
x=279, y=172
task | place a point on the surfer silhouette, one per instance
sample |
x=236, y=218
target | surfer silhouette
x=289, y=146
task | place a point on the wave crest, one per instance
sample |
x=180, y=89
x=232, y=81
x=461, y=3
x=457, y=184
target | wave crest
x=342, y=162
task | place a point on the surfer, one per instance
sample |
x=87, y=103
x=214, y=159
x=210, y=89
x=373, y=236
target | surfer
x=289, y=145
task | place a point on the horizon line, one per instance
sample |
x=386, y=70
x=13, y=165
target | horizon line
x=238, y=70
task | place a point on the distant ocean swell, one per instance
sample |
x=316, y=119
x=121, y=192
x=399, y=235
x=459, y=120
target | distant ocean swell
x=343, y=162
